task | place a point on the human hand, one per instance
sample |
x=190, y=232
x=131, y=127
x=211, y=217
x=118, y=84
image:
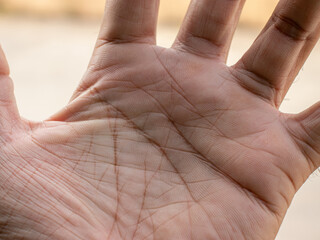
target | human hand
x=166, y=143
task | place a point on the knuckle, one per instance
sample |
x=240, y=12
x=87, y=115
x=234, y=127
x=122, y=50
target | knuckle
x=290, y=27
x=256, y=84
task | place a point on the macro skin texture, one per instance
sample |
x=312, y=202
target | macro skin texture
x=162, y=143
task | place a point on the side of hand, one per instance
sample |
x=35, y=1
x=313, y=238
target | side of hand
x=166, y=143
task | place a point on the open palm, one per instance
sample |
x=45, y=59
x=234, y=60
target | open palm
x=166, y=143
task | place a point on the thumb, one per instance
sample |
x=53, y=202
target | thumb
x=9, y=116
x=307, y=134
x=4, y=67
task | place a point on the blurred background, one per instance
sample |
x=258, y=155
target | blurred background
x=48, y=45
x=171, y=12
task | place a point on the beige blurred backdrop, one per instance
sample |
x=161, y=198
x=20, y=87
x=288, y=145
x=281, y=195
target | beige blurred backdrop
x=171, y=12
x=49, y=42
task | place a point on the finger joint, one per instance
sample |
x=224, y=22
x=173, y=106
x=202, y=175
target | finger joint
x=290, y=28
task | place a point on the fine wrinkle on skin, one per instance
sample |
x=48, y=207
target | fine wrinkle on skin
x=172, y=123
x=165, y=143
x=199, y=154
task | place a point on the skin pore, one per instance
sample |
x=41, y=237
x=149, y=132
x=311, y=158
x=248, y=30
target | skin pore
x=160, y=143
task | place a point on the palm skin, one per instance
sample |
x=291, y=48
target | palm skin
x=155, y=144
